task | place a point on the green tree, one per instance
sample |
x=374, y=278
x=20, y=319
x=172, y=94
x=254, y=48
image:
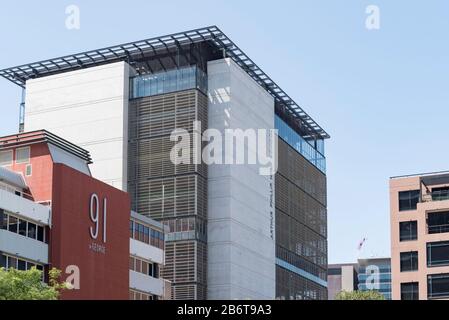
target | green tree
x=360, y=295
x=28, y=285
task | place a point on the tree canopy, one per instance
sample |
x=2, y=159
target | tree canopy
x=360, y=295
x=28, y=285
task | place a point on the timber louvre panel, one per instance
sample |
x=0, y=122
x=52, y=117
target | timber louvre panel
x=167, y=192
x=301, y=225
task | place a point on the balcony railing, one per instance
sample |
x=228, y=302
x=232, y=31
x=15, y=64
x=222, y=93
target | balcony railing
x=435, y=196
x=441, y=228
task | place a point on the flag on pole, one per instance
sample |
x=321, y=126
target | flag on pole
x=361, y=243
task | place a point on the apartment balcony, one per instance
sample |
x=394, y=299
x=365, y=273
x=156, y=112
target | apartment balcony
x=146, y=251
x=23, y=207
x=18, y=245
x=145, y=283
x=441, y=195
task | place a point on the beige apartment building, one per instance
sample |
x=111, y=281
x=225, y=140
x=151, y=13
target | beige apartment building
x=419, y=206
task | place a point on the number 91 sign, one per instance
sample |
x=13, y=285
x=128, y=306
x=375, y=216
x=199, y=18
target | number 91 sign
x=95, y=216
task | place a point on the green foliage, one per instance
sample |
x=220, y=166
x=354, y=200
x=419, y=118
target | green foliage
x=360, y=295
x=28, y=285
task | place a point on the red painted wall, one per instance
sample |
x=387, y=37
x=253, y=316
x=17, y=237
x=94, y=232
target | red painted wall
x=102, y=275
x=40, y=181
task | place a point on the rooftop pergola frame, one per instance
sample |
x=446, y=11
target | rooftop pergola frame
x=186, y=43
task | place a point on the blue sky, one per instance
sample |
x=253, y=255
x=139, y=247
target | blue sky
x=382, y=95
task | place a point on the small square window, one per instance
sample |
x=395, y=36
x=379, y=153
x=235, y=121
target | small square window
x=5, y=158
x=23, y=155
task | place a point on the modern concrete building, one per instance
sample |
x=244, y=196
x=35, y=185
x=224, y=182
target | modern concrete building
x=374, y=274
x=419, y=206
x=371, y=274
x=233, y=233
x=341, y=277
x=54, y=214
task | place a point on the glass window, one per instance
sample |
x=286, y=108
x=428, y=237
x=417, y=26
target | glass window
x=3, y=261
x=144, y=267
x=30, y=265
x=438, y=253
x=410, y=291
x=147, y=235
x=438, y=222
x=408, y=230
x=3, y=220
x=5, y=158
x=28, y=170
x=31, y=230
x=409, y=261
x=21, y=265
x=438, y=285
x=296, y=141
x=131, y=229
x=439, y=194
x=22, y=227
x=140, y=229
x=151, y=270
x=40, y=233
x=138, y=265
x=12, y=224
x=408, y=200
x=23, y=155
x=131, y=263
x=12, y=262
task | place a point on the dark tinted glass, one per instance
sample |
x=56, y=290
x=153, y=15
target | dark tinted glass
x=3, y=220
x=12, y=262
x=438, y=222
x=2, y=261
x=439, y=194
x=40, y=233
x=438, y=253
x=410, y=291
x=21, y=265
x=409, y=261
x=408, y=200
x=408, y=230
x=438, y=285
x=12, y=224
x=22, y=227
x=31, y=230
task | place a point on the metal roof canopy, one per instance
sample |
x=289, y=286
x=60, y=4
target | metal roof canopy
x=126, y=52
x=44, y=136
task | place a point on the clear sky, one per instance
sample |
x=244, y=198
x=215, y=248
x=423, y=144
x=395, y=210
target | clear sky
x=382, y=94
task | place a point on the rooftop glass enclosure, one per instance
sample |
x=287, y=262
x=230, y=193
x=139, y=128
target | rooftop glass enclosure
x=193, y=77
x=169, y=81
x=313, y=151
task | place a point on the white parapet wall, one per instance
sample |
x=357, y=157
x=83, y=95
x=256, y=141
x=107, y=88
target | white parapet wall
x=145, y=283
x=23, y=247
x=88, y=107
x=146, y=251
x=24, y=208
x=241, y=245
